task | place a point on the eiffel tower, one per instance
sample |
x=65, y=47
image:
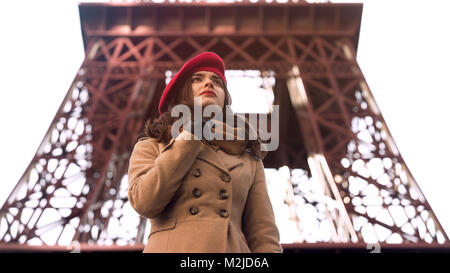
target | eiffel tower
x=343, y=180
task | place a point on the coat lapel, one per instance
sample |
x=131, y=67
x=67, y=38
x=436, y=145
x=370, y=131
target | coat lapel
x=210, y=155
x=230, y=147
x=232, y=162
x=226, y=163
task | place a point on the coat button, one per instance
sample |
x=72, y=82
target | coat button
x=223, y=213
x=223, y=194
x=197, y=172
x=193, y=211
x=196, y=192
x=225, y=177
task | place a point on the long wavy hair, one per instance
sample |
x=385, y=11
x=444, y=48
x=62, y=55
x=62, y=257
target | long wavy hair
x=160, y=128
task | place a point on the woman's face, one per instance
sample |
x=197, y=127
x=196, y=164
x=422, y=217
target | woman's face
x=207, y=86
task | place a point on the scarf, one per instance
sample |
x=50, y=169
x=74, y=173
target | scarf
x=229, y=142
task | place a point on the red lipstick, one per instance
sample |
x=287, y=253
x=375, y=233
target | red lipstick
x=208, y=92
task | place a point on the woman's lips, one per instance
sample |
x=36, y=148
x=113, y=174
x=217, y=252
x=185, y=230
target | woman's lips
x=208, y=93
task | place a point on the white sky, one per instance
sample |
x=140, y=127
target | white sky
x=403, y=52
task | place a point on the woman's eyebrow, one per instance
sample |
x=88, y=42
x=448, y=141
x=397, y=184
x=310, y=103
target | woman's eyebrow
x=202, y=75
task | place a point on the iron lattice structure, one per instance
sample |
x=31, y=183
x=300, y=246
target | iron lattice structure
x=354, y=178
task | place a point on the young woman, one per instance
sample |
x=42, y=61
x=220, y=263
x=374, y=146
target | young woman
x=201, y=195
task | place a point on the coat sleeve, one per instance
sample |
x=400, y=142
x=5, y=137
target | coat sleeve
x=154, y=178
x=258, y=220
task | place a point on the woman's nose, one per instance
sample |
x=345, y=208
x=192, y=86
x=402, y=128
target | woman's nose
x=209, y=82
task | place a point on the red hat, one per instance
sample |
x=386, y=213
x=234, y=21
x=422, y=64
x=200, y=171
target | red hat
x=206, y=61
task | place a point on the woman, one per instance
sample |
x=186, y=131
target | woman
x=200, y=195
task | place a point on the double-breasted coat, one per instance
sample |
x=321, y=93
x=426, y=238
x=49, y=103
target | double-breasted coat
x=200, y=198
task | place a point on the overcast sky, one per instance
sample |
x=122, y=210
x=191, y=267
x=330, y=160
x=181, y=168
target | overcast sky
x=403, y=52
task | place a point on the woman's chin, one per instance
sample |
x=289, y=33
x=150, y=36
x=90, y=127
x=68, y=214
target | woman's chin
x=208, y=102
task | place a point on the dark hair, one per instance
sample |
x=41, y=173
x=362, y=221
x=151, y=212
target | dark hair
x=160, y=128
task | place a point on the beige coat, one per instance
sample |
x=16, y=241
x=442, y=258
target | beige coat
x=201, y=199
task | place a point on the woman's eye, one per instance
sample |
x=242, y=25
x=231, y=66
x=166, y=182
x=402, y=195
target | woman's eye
x=195, y=79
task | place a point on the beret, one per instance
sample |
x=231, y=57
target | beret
x=206, y=61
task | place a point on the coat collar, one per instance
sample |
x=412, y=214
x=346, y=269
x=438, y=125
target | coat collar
x=232, y=149
x=163, y=147
x=223, y=154
x=213, y=155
